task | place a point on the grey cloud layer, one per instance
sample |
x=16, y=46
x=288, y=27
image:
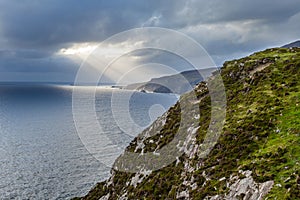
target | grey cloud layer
x=31, y=31
x=46, y=23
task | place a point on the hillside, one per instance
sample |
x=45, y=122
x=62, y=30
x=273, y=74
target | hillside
x=257, y=154
x=293, y=44
x=178, y=83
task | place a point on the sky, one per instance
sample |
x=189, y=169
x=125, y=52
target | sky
x=47, y=40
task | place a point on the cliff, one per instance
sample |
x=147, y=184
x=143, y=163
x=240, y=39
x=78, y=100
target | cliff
x=178, y=83
x=293, y=44
x=256, y=155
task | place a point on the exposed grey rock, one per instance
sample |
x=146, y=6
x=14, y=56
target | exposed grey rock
x=138, y=178
x=106, y=197
x=183, y=195
x=246, y=189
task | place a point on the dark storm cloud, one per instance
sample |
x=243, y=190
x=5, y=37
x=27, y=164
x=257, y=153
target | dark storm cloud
x=35, y=66
x=32, y=31
x=25, y=54
x=186, y=13
x=32, y=23
x=38, y=24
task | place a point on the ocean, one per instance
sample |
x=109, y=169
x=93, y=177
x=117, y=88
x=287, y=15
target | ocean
x=42, y=155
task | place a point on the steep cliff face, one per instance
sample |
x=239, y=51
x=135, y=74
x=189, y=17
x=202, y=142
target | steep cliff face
x=257, y=154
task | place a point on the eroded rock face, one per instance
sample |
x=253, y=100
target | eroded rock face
x=245, y=189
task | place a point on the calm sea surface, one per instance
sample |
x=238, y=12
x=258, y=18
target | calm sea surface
x=41, y=153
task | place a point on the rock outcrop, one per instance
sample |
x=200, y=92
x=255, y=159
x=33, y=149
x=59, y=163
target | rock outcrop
x=245, y=189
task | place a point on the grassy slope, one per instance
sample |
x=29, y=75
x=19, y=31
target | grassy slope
x=261, y=134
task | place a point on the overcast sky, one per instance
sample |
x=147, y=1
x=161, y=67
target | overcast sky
x=41, y=40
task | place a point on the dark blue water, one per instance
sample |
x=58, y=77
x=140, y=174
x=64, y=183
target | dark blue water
x=41, y=153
